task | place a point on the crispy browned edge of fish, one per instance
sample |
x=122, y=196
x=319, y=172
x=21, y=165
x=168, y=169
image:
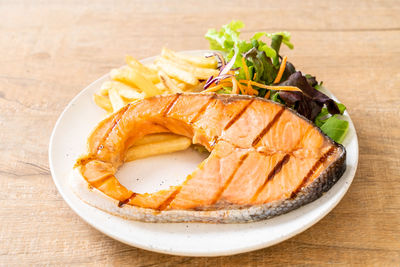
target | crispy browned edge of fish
x=235, y=213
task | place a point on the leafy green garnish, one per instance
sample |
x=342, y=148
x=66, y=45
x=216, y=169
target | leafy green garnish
x=276, y=40
x=335, y=128
x=318, y=86
x=322, y=117
x=265, y=60
x=341, y=107
x=332, y=126
x=262, y=65
x=226, y=38
x=275, y=97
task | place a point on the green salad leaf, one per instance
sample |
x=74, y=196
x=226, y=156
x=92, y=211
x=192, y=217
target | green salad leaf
x=322, y=117
x=275, y=97
x=341, y=107
x=226, y=38
x=335, y=128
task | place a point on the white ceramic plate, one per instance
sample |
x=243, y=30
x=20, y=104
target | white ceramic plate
x=68, y=142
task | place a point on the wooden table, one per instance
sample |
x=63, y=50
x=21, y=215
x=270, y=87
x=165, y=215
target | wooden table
x=51, y=51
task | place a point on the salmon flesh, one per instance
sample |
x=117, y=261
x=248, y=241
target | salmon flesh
x=265, y=160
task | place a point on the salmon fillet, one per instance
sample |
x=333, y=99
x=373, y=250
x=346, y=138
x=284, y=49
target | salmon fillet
x=265, y=159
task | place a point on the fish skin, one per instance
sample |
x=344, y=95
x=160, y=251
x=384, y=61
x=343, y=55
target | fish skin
x=222, y=212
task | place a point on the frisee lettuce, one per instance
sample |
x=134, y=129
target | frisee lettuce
x=267, y=58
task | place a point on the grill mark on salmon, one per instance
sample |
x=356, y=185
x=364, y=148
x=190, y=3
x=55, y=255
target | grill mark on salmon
x=168, y=201
x=213, y=141
x=227, y=182
x=266, y=129
x=202, y=109
x=277, y=168
x=114, y=124
x=171, y=104
x=121, y=203
x=237, y=116
x=319, y=162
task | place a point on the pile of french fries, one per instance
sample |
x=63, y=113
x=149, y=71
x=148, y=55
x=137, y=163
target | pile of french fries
x=170, y=73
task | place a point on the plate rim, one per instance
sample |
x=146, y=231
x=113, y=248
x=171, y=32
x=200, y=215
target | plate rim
x=227, y=252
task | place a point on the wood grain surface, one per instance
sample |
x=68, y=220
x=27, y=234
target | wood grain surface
x=51, y=50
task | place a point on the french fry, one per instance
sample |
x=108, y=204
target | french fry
x=104, y=89
x=198, y=72
x=142, y=151
x=103, y=102
x=155, y=138
x=135, y=79
x=161, y=86
x=151, y=77
x=152, y=67
x=127, y=92
x=181, y=85
x=150, y=74
x=202, y=62
x=197, y=88
x=168, y=82
x=116, y=101
x=175, y=72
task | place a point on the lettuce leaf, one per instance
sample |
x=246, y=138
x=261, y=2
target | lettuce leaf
x=322, y=117
x=226, y=38
x=262, y=65
x=335, y=128
x=265, y=60
x=300, y=81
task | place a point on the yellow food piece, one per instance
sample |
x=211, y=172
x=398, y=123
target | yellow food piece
x=176, y=72
x=174, y=144
x=135, y=79
x=103, y=102
x=116, y=100
x=169, y=83
x=155, y=138
x=127, y=92
x=198, y=61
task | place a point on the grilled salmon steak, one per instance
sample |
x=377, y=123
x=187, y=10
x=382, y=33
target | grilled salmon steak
x=265, y=160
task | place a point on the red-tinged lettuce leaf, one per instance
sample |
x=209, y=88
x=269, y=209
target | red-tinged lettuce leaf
x=311, y=80
x=299, y=81
x=289, y=70
x=302, y=103
x=263, y=66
